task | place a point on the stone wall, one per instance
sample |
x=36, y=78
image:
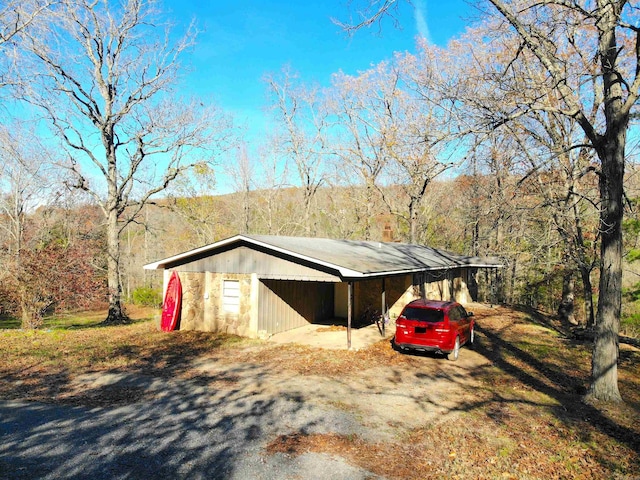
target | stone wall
x=192, y=311
x=368, y=295
x=202, y=304
x=446, y=285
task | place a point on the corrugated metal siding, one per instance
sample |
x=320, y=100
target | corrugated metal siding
x=246, y=260
x=284, y=304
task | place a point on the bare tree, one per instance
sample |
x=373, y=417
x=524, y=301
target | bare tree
x=304, y=119
x=192, y=197
x=604, y=31
x=424, y=142
x=558, y=171
x=241, y=174
x=553, y=158
x=25, y=181
x=104, y=74
x=16, y=16
x=364, y=105
x=370, y=13
x=270, y=196
x=549, y=30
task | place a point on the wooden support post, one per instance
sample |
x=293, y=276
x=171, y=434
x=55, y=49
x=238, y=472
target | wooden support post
x=349, y=312
x=384, y=306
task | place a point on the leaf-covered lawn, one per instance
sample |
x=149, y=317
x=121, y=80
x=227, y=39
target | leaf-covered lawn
x=521, y=417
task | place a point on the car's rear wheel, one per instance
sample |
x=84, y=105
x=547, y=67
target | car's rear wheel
x=453, y=356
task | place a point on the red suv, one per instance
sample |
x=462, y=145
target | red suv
x=434, y=326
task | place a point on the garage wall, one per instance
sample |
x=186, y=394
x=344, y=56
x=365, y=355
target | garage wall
x=449, y=285
x=202, y=304
x=245, y=260
x=441, y=285
x=286, y=304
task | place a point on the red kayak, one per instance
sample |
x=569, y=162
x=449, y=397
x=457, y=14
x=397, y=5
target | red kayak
x=172, y=304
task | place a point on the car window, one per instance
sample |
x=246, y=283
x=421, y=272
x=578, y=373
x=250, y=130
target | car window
x=423, y=315
x=454, y=314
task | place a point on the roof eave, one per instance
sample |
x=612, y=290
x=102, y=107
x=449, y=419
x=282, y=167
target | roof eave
x=388, y=273
x=161, y=264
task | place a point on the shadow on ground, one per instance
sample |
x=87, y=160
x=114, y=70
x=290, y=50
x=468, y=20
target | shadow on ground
x=182, y=429
x=551, y=380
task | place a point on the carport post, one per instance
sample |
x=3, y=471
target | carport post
x=349, y=312
x=384, y=306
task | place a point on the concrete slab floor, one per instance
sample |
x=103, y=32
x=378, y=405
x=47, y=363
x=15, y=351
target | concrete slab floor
x=333, y=337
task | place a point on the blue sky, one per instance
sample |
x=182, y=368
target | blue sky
x=242, y=40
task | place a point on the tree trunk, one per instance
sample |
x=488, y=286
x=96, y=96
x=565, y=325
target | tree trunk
x=588, y=297
x=604, y=363
x=30, y=317
x=116, y=315
x=509, y=296
x=566, y=310
x=413, y=222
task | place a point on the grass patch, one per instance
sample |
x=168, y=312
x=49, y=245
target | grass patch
x=7, y=322
x=39, y=364
x=74, y=320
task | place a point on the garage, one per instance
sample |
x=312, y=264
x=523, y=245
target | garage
x=259, y=285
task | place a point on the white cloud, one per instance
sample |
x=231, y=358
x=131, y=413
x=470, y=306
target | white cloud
x=420, y=15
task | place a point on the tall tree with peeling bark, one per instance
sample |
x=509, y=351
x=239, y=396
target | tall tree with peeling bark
x=104, y=74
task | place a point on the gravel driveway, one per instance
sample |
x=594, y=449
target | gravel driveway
x=217, y=424
x=184, y=430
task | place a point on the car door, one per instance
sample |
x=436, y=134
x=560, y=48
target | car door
x=464, y=323
x=454, y=324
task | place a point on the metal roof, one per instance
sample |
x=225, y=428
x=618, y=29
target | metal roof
x=351, y=258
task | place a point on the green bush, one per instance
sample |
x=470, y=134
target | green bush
x=147, y=296
x=630, y=325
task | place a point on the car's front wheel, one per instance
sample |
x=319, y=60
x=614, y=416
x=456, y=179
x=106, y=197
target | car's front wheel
x=453, y=356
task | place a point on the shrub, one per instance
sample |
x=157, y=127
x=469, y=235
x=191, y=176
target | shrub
x=147, y=296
